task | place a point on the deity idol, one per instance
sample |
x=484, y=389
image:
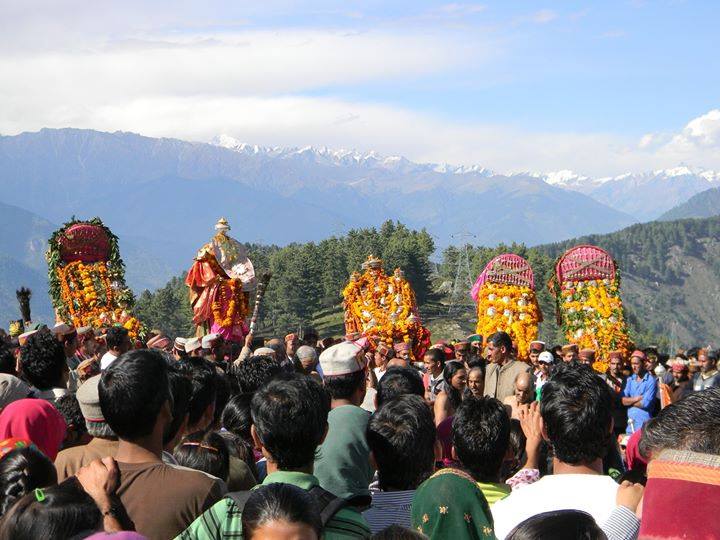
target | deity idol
x=220, y=282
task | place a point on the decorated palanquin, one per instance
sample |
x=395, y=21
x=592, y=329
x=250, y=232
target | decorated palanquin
x=220, y=282
x=383, y=308
x=589, y=309
x=506, y=301
x=87, y=277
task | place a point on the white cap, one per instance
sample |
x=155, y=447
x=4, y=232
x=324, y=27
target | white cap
x=207, y=340
x=192, y=344
x=546, y=357
x=342, y=359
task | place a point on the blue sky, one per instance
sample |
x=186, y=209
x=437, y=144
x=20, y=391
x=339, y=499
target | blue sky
x=598, y=87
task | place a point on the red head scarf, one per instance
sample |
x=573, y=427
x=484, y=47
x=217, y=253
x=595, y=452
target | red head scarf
x=35, y=420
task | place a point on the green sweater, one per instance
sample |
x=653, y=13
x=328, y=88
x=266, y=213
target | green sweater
x=223, y=520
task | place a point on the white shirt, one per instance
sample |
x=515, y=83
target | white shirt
x=107, y=359
x=590, y=493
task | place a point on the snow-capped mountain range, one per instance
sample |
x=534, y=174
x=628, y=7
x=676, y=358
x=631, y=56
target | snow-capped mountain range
x=645, y=195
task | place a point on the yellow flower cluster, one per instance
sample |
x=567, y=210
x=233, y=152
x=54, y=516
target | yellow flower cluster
x=231, y=295
x=87, y=292
x=381, y=306
x=592, y=314
x=509, y=308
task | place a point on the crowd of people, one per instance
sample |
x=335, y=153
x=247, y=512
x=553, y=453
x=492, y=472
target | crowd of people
x=103, y=436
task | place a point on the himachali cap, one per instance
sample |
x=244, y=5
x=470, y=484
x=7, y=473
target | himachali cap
x=291, y=337
x=401, y=346
x=12, y=389
x=546, y=357
x=64, y=331
x=192, y=344
x=22, y=338
x=615, y=354
x=679, y=365
x=353, y=336
x=264, y=350
x=83, y=330
x=462, y=346
x=474, y=338
x=639, y=354
x=180, y=343
x=342, y=359
x=537, y=346
x=89, y=400
x=208, y=341
x=587, y=353
x=571, y=347
x=159, y=342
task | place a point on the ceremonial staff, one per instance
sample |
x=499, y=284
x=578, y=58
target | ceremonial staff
x=262, y=285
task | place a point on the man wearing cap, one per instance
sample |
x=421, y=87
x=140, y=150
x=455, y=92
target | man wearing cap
x=545, y=360
x=179, y=348
x=212, y=345
x=476, y=343
x=587, y=357
x=536, y=347
x=502, y=367
x=402, y=350
x=382, y=355
x=462, y=352
x=615, y=380
x=308, y=358
x=639, y=393
x=570, y=353
x=680, y=385
x=342, y=464
x=67, y=335
x=160, y=342
x=118, y=342
x=104, y=442
x=193, y=347
x=291, y=345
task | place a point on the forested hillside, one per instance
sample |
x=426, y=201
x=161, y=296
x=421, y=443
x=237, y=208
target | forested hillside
x=670, y=280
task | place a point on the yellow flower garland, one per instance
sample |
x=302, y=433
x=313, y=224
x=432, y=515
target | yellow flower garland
x=508, y=308
x=593, y=317
x=236, y=298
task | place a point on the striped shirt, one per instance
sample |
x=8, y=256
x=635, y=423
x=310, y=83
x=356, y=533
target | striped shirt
x=223, y=520
x=389, y=508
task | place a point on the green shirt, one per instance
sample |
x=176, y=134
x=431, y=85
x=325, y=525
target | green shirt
x=494, y=492
x=223, y=520
x=342, y=464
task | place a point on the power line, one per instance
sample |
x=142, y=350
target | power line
x=459, y=297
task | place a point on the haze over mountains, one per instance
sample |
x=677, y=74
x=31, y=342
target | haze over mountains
x=163, y=196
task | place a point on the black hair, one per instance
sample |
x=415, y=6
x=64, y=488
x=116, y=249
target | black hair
x=576, y=409
x=396, y=532
x=7, y=360
x=204, y=386
x=21, y=471
x=255, y=371
x=478, y=363
x=693, y=424
x=65, y=511
x=205, y=452
x=236, y=417
x=516, y=445
x=43, y=360
x=437, y=355
x=290, y=418
x=69, y=406
x=558, y=525
x=480, y=435
x=449, y=371
x=402, y=427
x=132, y=391
x=116, y=336
x=222, y=396
x=180, y=388
x=344, y=386
x=279, y=502
x=399, y=381
x=501, y=339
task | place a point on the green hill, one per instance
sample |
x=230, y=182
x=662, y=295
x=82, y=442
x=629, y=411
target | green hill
x=702, y=205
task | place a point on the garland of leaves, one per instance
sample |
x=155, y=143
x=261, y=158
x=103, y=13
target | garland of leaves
x=121, y=295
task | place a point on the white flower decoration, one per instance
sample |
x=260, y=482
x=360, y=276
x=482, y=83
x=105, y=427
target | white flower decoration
x=506, y=299
x=491, y=312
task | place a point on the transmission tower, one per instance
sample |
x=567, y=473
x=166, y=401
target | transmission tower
x=460, y=295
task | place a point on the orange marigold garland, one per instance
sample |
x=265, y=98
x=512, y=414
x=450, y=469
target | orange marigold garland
x=384, y=307
x=506, y=301
x=86, y=275
x=231, y=296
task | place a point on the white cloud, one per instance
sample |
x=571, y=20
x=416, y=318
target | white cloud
x=544, y=16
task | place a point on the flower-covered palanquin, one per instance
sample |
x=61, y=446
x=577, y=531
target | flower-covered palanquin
x=589, y=307
x=87, y=277
x=383, y=308
x=220, y=282
x=506, y=301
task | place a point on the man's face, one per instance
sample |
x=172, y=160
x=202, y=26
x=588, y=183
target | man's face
x=650, y=363
x=534, y=353
x=637, y=365
x=614, y=366
x=89, y=346
x=679, y=376
x=381, y=356
x=461, y=355
x=569, y=356
x=403, y=355
x=706, y=364
x=587, y=360
x=476, y=382
x=431, y=366
x=495, y=354
x=522, y=391
x=291, y=346
x=544, y=367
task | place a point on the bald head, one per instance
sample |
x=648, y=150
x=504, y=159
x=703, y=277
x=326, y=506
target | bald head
x=524, y=387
